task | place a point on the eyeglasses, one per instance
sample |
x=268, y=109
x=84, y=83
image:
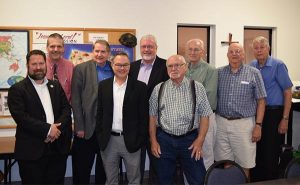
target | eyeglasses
x=176, y=66
x=196, y=50
x=147, y=47
x=122, y=65
x=235, y=52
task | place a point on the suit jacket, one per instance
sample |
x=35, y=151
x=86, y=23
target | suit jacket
x=84, y=97
x=135, y=114
x=158, y=74
x=32, y=129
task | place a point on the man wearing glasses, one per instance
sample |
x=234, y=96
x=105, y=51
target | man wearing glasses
x=151, y=70
x=207, y=75
x=122, y=121
x=240, y=110
x=178, y=124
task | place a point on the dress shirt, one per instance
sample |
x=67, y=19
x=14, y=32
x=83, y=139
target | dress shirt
x=44, y=95
x=119, y=92
x=207, y=75
x=276, y=79
x=64, y=70
x=238, y=92
x=176, y=106
x=104, y=72
x=145, y=71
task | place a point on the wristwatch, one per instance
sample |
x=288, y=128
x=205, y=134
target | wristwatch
x=285, y=118
x=259, y=124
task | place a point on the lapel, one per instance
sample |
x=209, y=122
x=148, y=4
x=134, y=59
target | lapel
x=128, y=92
x=154, y=72
x=92, y=70
x=136, y=69
x=51, y=88
x=32, y=91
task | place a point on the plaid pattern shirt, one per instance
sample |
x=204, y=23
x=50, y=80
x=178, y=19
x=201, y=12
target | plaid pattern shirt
x=238, y=92
x=176, y=106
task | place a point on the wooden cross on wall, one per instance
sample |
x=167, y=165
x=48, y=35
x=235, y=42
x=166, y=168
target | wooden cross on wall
x=229, y=40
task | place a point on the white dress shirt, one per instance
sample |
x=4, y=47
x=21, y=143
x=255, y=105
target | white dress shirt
x=118, y=95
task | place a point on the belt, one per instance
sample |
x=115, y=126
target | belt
x=180, y=136
x=116, y=133
x=273, y=107
x=231, y=118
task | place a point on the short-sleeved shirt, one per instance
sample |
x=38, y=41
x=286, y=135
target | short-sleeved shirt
x=276, y=79
x=176, y=107
x=238, y=92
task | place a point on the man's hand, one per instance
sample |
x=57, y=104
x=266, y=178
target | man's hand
x=155, y=148
x=80, y=134
x=54, y=133
x=256, y=133
x=197, y=149
x=283, y=126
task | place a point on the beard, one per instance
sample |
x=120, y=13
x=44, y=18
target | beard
x=148, y=57
x=37, y=75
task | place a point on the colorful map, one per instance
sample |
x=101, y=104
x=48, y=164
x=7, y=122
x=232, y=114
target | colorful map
x=13, y=50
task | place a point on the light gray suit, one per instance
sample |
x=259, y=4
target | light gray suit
x=84, y=97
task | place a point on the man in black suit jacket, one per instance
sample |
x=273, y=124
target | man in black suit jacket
x=43, y=117
x=151, y=70
x=122, y=121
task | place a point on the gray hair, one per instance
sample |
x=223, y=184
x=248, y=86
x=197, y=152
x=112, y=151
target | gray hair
x=261, y=39
x=149, y=37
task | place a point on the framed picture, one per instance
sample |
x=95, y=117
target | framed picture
x=14, y=45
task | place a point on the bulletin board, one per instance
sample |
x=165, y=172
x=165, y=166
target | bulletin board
x=16, y=42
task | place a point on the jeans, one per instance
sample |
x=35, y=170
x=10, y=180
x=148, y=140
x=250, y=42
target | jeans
x=176, y=148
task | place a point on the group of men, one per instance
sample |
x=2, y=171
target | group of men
x=182, y=109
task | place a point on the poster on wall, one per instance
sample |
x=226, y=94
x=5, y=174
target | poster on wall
x=14, y=45
x=39, y=38
x=78, y=53
x=120, y=48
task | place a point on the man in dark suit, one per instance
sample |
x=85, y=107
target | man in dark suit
x=43, y=116
x=122, y=121
x=151, y=70
x=84, y=103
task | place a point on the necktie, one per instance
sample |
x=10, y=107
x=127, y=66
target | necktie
x=55, y=77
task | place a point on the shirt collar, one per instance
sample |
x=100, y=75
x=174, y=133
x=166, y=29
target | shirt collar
x=124, y=84
x=194, y=66
x=52, y=63
x=143, y=63
x=35, y=84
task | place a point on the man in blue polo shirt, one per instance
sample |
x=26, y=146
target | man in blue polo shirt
x=279, y=99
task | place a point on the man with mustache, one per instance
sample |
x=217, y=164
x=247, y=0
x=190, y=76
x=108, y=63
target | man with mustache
x=86, y=77
x=43, y=116
x=59, y=68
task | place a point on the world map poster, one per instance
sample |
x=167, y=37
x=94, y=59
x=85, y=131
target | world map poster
x=13, y=50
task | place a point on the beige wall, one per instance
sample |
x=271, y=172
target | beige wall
x=160, y=17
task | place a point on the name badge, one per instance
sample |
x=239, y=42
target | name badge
x=244, y=82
